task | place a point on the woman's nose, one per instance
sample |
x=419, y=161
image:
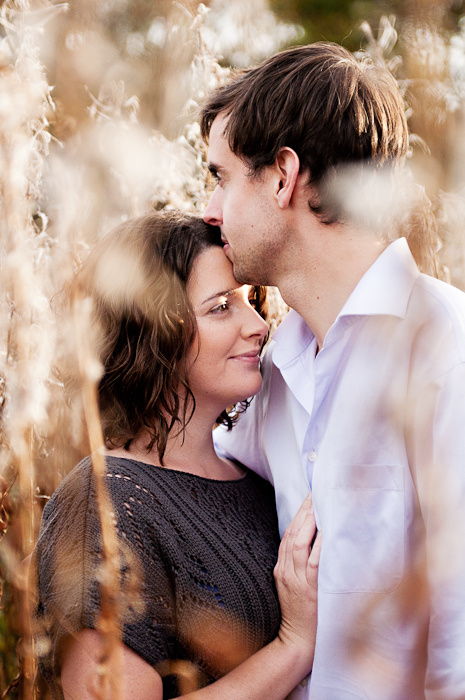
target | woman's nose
x=254, y=325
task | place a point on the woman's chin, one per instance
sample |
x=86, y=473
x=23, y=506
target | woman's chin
x=252, y=391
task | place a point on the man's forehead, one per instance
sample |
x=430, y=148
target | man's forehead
x=217, y=141
x=219, y=156
x=219, y=125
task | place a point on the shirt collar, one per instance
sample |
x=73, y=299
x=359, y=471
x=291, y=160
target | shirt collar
x=291, y=338
x=383, y=290
x=386, y=286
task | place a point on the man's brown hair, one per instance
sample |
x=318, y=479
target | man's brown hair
x=318, y=100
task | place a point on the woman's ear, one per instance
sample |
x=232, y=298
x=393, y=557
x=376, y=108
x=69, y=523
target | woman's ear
x=288, y=166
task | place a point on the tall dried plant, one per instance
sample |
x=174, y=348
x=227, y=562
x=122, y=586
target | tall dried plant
x=74, y=164
x=26, y=324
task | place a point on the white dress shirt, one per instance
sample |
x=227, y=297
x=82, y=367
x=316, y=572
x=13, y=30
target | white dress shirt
x=374, y=424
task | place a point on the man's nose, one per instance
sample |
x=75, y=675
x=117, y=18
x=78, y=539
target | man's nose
x=214, y=212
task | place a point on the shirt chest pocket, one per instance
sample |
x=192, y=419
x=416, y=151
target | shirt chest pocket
x=363, y=529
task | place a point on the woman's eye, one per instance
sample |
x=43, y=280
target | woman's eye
x=221, y=308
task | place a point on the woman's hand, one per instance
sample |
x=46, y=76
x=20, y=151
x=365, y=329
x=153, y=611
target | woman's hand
x=296, y=576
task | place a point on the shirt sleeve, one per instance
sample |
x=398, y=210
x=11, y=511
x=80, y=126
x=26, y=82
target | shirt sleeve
x=67, y=568
x=438, y=468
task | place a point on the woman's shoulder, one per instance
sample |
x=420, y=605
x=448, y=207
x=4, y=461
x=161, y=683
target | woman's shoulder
x=75, y=501
x=125, y=475
x=73, y=490
x=80, y=482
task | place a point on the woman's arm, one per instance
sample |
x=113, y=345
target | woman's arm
x=270, y=673
x=81, y=670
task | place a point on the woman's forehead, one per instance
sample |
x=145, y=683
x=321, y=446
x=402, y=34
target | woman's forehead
x=211, y=276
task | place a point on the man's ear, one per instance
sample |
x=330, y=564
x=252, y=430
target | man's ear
x=288, y=166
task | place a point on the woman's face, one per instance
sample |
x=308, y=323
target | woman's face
x=224, y=359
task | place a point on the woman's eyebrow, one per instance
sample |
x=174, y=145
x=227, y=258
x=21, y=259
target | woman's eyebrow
x=225, y=293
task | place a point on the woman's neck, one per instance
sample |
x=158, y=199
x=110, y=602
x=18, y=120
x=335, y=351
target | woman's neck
x=191, y=451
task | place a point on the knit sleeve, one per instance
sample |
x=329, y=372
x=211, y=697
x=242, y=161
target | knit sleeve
x=67, y=566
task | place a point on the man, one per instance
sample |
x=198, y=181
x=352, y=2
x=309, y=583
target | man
x=364, y=381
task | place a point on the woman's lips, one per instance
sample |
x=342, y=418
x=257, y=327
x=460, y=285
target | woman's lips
x=248, y=357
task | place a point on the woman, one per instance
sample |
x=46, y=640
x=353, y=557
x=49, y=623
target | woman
x=179, y=342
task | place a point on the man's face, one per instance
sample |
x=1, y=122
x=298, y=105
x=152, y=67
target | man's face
x=246, y=211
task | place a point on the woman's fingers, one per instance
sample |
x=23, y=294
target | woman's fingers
x=313, y=562
x=285, y=553
x=298, y=522
x=303, y=540
x=295, y=545
x=296, y=575
x=314, y=558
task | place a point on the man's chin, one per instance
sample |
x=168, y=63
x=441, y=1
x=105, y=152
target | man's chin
x=238, y=270
x=240, y=275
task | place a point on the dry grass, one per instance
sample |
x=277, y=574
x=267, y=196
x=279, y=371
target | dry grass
x=119, y=136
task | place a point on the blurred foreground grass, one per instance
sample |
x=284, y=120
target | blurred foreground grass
x=115, y=136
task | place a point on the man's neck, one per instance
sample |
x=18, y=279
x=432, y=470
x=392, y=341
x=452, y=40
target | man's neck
x=325, y=275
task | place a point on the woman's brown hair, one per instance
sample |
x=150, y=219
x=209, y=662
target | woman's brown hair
x=136, y=277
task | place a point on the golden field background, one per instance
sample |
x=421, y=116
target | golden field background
x=98, y=122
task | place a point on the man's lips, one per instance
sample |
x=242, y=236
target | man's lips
x=228, y=252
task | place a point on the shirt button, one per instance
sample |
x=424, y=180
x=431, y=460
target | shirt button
x=312, y=456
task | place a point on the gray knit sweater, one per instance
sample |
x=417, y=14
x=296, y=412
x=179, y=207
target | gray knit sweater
x=196, y=575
